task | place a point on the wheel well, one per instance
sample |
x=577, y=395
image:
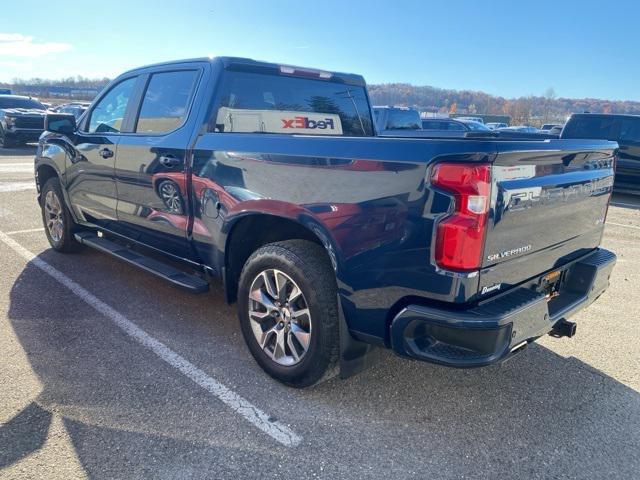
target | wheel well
x=251, y=233
x=44, y=173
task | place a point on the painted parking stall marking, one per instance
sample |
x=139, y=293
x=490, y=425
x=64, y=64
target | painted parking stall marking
x=623, y=225
x=6, y=187
x=28, y=230
x=276, y=430
x=16, y=167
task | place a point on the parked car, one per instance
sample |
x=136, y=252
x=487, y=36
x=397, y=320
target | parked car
x=443, y=124
x=548, y=126
x=21, y=120
x=5, y=91
x=76, y=108
x=471, y=119
x=393, y=121
x=332, y=240
x=520, y=129
x=456, y=126
x=624, y=129
x=474, y=126
x=496, y=125
x=556, y=130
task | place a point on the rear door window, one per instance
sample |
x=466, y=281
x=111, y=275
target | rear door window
x=260, y=103
x=165, y=102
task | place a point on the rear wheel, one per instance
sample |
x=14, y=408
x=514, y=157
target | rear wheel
x=58, y=223
x=287, y=306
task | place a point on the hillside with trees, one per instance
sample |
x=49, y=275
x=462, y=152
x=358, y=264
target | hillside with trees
x=532, y=110
x=523, y=110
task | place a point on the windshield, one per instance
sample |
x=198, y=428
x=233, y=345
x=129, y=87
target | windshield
x=19, y=102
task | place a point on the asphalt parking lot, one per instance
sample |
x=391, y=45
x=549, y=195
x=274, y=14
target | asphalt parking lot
x=107, y=372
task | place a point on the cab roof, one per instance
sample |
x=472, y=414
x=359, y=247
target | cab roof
x=250, y=65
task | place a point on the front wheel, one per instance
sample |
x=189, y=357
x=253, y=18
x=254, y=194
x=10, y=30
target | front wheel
x=288, y=312
x=58, y=223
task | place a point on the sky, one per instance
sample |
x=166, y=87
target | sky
x=507, y=48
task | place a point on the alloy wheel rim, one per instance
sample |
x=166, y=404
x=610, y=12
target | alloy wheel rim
x=279, y=317
x=53, y=216
x=171, y=197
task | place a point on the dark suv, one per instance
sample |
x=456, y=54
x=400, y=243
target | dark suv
x=624, y=129
x=21, y=120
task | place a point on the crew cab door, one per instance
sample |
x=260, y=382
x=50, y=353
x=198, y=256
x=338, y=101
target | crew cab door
x=151, y=165
x=90, y=171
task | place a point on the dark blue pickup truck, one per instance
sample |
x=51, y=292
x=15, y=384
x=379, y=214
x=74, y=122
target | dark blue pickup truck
x=332, y=240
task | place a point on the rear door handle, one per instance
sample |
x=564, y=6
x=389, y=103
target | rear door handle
x=106, y=153
x=169, y=161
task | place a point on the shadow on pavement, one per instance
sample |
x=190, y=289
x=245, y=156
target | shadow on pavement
x=23, y=150
x=23, y=434
x=538, y=415
x=626, y=201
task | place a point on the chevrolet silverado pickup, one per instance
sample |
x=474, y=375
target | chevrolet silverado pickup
x=332, y=241
x=21, y=120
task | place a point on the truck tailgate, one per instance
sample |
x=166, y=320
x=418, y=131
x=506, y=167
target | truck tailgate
x=548, y=205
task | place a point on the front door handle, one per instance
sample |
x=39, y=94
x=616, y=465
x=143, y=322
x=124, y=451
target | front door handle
x=106, y=153
x=169, y=161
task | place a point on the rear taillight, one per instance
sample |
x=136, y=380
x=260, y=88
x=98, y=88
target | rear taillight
x=460, y=235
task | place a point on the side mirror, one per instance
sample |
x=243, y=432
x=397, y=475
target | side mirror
x=63, y=123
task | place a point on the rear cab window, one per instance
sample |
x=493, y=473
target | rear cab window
x=249, y=102
x=597, y=127
x=630, y=130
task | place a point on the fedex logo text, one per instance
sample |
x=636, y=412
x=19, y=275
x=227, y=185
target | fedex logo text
x=306, y=122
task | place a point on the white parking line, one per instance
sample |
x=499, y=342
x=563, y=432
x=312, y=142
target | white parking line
x=29, y=230
x=16, y=167
x=17, y=186
x=238, y=404
x=623, y=225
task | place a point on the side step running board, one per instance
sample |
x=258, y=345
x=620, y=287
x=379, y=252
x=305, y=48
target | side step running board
x=172, y=275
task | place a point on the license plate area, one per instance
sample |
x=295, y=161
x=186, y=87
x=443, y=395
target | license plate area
x=551, y=283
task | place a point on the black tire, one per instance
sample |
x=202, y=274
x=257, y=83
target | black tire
x=307, y=264
x=66, y=242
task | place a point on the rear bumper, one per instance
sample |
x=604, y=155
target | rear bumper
x=493, y=330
